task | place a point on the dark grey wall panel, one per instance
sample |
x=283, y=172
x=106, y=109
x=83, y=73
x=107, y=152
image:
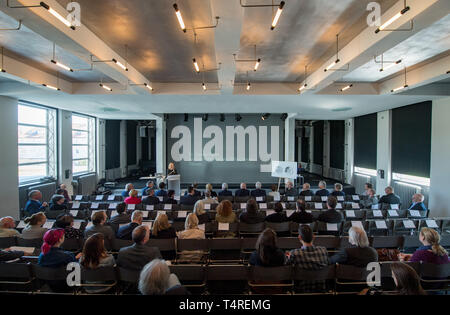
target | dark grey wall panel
x=365, y=137
x=131, y=142
x=112, y=144
x=337, y=144
x=318, y=142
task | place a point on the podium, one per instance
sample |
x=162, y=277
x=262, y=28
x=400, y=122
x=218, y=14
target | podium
x=173, y=182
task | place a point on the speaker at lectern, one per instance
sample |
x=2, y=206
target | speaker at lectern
x=173, y=182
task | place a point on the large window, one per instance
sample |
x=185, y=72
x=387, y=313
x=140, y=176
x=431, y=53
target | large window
x=36, y=142
x=83, y=144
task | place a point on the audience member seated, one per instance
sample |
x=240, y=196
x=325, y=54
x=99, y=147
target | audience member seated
x=274, y=192
x=309, y=257
x=150, y=200
x=225, y=214
x=34, y=204
x=431, y=251
x=209, y=188
x=98, y=226
x=52, y=256
x=191, y=231
x=200, y=212
x=243, y=191
x=125, y=231
x=161, y=192
x=170, y=197
x=225, y=191
x=306, y=190
x=34, y=229
x=128, y=187
x=331, y=215
x=267, y=254
x=7, y=227
x=133, y=199
x=301, y=216
x=156, y=279
x=162, y=229
x=95, y=256
x=359, y=254
x=122, y=216
x=209, y=199
x=136, y=256
x=8, y=255
x=251, y=214
x=64, y=192
x=278, y=216
x=197, y=192
x=148, y=186
x=371, y=200
x=367, y=188
x=190, y=199
x=338, y=190
x=65, y=221
x=323, y=191
x=406, y=279
x=417, y=203
x=289, y=190
x=390, y=198
x=58, y=203
x=258, y=192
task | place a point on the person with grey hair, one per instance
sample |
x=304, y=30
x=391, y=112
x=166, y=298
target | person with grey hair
x=390, y=198
x=359, y=254
x=258, y=192
x=306, y=190
x=209, y=199
x=243, y=191
x=417, y=203
x=34, y=204
x=290, y=191
x=338, y=190
x=323, y=191
x=7, y=227
x=225, y=191
x=125, y=231
x=128, y=187
x=371, y=200
x=156, y=279
x=150, y=185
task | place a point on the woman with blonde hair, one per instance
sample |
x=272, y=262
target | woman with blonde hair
x=431, y=251
x=191, y=231
x=34, y=228
x=209, y=188
x=133, y=199
x=162, y=228
x=200, y=212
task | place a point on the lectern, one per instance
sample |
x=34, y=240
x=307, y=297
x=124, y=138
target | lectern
x=173, y=182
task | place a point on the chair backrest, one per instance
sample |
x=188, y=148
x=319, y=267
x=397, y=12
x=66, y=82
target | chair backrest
x=118, y=244
x=326, y=273
x=435, y=271
x=225, y=244
x=251, y=228
x=248, y=243
x=386, y=268
x=72, y=244
x=289, y=242
x=348, y=272
x=189, y=272
x=102, y=274
x=270, y=274
x=7, y=242
x=227, y=273
x=387, y=242
x=279, y=227
x=15, y=271
x=411, y=241
x=192, y=244
x=128, y=275
x=50, y=274
x=164, y=245
x=329, y=242
x=37, y=242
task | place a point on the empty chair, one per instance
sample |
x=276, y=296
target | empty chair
x=192, y=250
x=224, y=249
x=430, y=223
x=445, y=227
x=248, y=245
x=167, y=247
x=251, y=229
x=405, y=227
x=56, y=278
x=351, y=215
x=435, y=277
x=348, y=224
x=279, y=227
x=227, y=279
x=324, y=228
x=396, y=214
x=36, y=243
x=417, y=214
x=411, y=243
x=190, y=276
x=329, y=242
x=350, y=279
x=387, y=242
x=288, y=243
x=273, y=279
x=98, y=279
x=375, y=214
x=6, y=242
x=16, y=277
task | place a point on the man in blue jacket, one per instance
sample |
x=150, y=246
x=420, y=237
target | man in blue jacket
x=34, y=204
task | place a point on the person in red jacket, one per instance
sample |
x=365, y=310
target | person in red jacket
x=133, y=199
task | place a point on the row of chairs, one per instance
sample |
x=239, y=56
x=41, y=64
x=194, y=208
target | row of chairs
x=30, y=278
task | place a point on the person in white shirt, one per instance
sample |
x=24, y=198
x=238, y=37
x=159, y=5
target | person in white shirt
x=7, y=226
x=274, y=193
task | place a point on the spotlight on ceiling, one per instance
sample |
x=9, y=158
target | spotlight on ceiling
x=222, y=117
x=205, y=117
x=179, y=17
x=284, y=116
x=186, y=117
x=238, y=117
x=265, y=116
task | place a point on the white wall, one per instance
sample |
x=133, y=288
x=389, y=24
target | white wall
x=384, y=149
x=349, y=149
x=326, y=149
x=289, y=139
x=160, y=145
x=65, y=148
x=101, y=157
x=439, y=202
x=123, y=148
x=9, y=194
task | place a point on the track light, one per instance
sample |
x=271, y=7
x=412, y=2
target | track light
x=332, y=65
x=51, y=87
x=197, y=68
x=257, y=64
x=179, y=17
x=222, y=117
x=265, y=116
x=120, y=64
x=248, y=86
x=284, y=116
x=57, y=15
x=105, y=87
x=390, y=65
x=392, y=20
x=277, y=15
x=62, y=65
x=399, y=88
x=204, y=86
x=2, y=70
x=148, y=86
x=346, y=87
x=238, y=117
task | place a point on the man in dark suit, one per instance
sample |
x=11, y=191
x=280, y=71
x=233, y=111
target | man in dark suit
x=122, y=215
x=323, y=191
x=136, y=256
x=150, y=199
x=390, y=198
x=258, y=192
x=225, y=191
x=125, y=232
x=290, y=191
x=243, y=192
x=306, y=190
x=331, y=215
x=190, y=199
x=417, y=203
x=170, y=197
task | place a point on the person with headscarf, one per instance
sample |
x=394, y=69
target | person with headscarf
x=52, y=256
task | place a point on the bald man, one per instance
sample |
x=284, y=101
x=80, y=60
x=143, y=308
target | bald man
x=7, y=226
x=417, y=203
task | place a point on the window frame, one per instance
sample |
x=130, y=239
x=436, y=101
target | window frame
x=91, y=145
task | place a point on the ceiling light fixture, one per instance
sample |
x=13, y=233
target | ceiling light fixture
x=390, y=65
x=2, y=66
x=63, y=66
x=257, y=64
x=148, y=86
x=179, y=17
x=197, y=68
x=204, y=86
x=392, y=19
x=248, y=86
x=301, y=88
x=401, y=87
x=256, y=60
x=121, y=65
x=346, y=87
x=277, y=15
x=57, y=15
x=329, y=68
x=238, y=117
x=265, y=116
x=51, y=87
x=105, y=87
